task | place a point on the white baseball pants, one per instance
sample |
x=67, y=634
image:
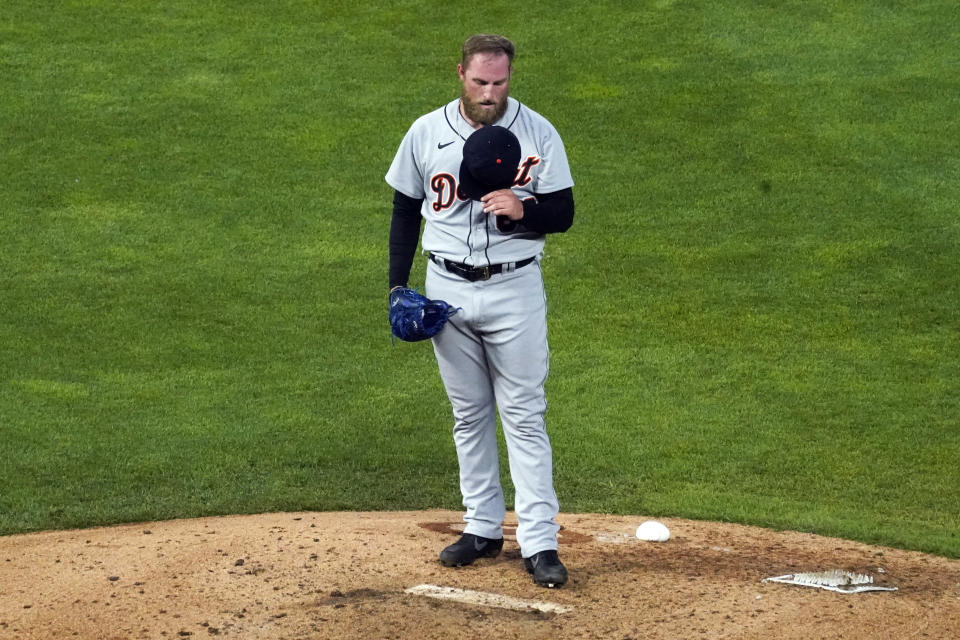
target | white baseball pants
x=493, y=355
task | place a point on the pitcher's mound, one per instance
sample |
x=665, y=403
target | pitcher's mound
x=376, y=575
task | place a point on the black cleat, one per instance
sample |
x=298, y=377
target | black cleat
x=546, y=568
x=468, y=548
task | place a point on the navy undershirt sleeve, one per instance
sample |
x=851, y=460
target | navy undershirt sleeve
x=549, y=213
x=404, y=236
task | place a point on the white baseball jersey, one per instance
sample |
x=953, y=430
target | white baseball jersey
x=427, y=166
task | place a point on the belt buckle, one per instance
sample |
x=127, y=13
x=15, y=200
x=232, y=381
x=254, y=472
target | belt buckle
x=483, y=273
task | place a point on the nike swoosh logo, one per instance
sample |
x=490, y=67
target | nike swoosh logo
x=479, y=546
x=441, y=146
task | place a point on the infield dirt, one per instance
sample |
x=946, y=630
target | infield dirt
x=345, y=575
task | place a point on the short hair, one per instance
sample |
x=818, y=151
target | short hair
x=486, y=43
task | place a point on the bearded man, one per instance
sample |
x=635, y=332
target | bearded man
x=484, y=247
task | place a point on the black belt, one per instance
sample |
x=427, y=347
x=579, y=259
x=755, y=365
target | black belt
x=477, y=273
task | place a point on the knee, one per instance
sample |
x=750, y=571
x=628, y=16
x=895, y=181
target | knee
x=477, y=419
x=526, y=413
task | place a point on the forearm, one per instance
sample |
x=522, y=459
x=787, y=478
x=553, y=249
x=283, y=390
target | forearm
x=549, y=212
x=404, y=236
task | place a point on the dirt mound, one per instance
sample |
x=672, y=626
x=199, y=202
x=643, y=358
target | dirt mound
x=336, y=575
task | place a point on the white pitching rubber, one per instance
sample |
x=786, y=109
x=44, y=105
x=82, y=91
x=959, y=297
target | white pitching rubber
x=485, y=599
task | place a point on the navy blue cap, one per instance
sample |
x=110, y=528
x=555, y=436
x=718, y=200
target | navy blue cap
x=491, y=159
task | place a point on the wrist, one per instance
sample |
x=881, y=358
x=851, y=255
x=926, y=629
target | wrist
x=527, y=204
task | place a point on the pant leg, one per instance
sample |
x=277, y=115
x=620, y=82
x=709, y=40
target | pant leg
x=463, y=368
x=515, y=338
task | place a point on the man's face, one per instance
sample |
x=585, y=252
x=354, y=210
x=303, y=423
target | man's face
x=486, y=83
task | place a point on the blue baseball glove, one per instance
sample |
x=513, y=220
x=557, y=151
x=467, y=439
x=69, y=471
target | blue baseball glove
x=414, y=317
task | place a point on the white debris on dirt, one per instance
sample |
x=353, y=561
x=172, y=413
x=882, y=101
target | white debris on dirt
x=832, y=580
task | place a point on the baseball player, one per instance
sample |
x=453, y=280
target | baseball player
x=484, y=257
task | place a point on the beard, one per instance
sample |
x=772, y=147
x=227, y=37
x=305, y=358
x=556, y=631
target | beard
x=482, y=115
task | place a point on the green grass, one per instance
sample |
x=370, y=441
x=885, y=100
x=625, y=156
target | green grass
x=754, y=318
